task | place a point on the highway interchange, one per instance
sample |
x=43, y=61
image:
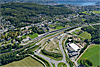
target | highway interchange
x=60, y=45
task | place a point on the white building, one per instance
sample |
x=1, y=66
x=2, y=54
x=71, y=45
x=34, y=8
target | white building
x=74, y=46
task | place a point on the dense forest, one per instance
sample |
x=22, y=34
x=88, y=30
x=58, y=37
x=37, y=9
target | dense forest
x=95, y=32
x=21, y=12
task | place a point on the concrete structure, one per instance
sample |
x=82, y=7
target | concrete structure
x=74, y=46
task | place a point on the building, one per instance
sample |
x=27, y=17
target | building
x=25, y=32
x=73, y=47
x=73, y=54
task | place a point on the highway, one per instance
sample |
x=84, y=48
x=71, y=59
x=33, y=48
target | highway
x=45, y=34
x=62, y=51
x=60, y=45
x=38, y=38
x=54, y=61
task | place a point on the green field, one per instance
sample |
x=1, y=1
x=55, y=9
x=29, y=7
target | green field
x=86, y=35
x=51, y=25
x=58, y=22
x=76, y=31
x=85, y=12
x=61, y=64
x=26, y=62
x=97, y=12
x=59, y=27
x=83, y=19
x=31, y=36
x=93, y=54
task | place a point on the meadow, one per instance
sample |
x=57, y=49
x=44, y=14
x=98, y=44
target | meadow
x=92, y=54
x=85, y=35
x=26, y=62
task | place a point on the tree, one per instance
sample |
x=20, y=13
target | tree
x=98, y=66
x=89, y=62
x=86, y=62
x=86, y=40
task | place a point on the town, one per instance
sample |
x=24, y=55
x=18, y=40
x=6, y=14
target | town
x=51, y=40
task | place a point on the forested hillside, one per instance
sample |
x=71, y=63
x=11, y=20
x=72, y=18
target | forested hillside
x=21, y=12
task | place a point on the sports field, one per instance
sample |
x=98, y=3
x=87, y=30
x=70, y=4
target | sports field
x=26, y=62
x=93, y=54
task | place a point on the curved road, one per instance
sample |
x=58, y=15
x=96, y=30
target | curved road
x=54, y=61
x=38, y=38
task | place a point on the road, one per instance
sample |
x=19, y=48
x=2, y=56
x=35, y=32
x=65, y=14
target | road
x=45, y=34
x=38, y=38
x=62, y=51
x=51, y=60
x=60, y=45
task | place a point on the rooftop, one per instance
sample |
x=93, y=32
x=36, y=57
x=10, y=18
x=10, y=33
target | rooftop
x=74, y=46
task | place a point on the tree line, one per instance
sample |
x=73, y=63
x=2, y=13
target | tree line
x=10, y=57
x=55, y=55
x=95, y=33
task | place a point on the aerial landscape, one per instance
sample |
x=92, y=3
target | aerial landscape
x=49, y=33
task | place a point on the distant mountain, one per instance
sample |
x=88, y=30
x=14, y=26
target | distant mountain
x=98, y=3
x=79, y=0
x=34, y=1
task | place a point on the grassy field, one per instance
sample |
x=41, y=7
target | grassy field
x=86, y=35
x=58, y=22
x=83, y=19
x=61, y=64
x=85, y=12
x=31, y=36
x=26, y=62
x=76, y=31
x=93, y=54
x=51, y=25
x=59, y=27
x=97, y=12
